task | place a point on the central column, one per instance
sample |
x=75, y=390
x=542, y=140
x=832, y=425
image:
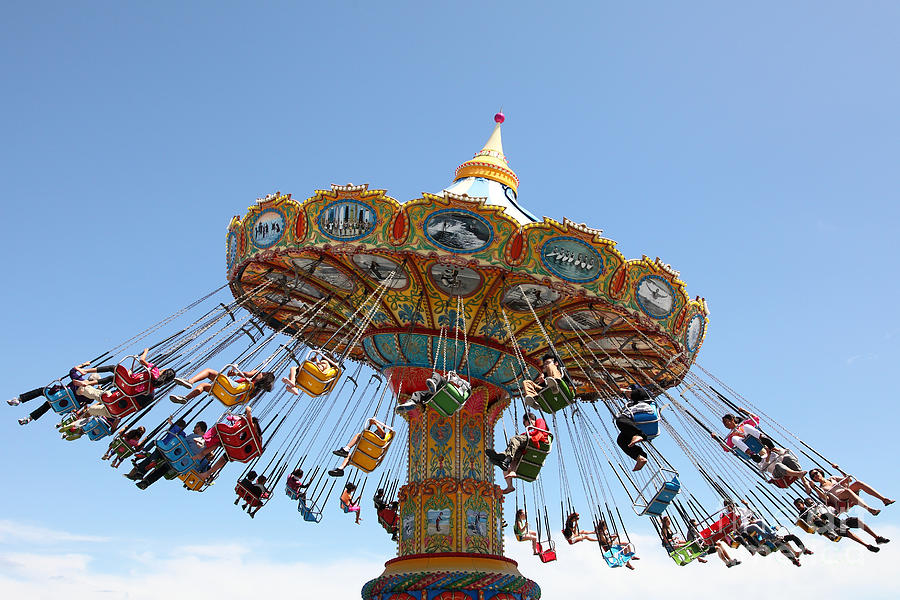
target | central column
x=451, y=541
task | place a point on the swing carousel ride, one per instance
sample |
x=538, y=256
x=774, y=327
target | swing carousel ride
x=355, y=300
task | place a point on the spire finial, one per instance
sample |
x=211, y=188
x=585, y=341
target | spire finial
x=490, y=162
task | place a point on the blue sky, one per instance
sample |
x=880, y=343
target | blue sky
x=753, y=148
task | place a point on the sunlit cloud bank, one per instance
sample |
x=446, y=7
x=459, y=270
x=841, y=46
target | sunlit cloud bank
x=39, y=563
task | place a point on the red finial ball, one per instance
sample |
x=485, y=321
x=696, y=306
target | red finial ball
x=499, y=117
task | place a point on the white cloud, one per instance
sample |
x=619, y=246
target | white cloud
x=836, y=570
x=234, y=570
x=11, y=531
x=861, y=357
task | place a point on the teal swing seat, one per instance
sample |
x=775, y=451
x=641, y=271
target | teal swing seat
x=616, y=556
x=308, y=510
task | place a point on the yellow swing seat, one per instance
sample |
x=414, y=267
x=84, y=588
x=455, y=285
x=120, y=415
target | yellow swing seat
x=371, y=448
x=193, y=481
x=228, y=391
x=313, y=380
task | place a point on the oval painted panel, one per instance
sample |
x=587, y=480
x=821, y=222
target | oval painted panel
x=655, y=296
x=267, y=228
x=232, y=245
x=382, y=269
x=523, y=296
x=347, y=220
x=695, y=329
x=458, y=231
x=455, y=281
x=571, y=259
x=326, y=272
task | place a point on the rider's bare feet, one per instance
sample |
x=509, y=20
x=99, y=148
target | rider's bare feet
x=635, y=440
x=639, y=464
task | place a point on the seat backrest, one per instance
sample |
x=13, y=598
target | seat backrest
x=61, y=397
x=230, y=392
x=240, y=440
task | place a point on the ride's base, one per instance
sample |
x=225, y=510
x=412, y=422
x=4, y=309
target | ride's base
x=451, y=576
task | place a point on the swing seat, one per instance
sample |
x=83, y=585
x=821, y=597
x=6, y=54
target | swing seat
x=784, y=482
x=548, y=553
x=810, y=528
x=551, y=401
x=292, y=493
x=313, y=380
x=240, y=440
x=120, y=404
x=660, y=501
x=177, y=452
x=687, y=554
x=193, y=481
x=122, y=449
x=648, y=423
x=61, y=398
x=388, y=519
x=532, y=460
x=371, y=448
x=69, y=431
x=348, y=508
x=309, y=511
x=449, y=399
x=134, y=381
x=228, y=391
x=718, y=530
x=247, y=496
x=753, y=444
x=97, y=428
x=616, y=556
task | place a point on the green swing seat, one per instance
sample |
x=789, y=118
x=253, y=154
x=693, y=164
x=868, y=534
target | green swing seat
x=448, y=399
x=532, y=460
x=687, y=553
x=550, y=400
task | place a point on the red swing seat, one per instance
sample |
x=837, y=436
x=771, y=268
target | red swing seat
x=240, y=440
x=247, y=496
x=134, y=381
x=718, y=530
x=388, y=519
x=547, y=554
x=120, y=405
x=784, y=482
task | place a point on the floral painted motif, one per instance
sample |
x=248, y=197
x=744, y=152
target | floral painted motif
x=441, y=431
x=408, y=314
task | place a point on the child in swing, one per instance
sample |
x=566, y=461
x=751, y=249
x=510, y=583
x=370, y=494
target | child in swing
x=521, y=531
x=295, y=484
x=327, y=368
x=572, y=533
x=609, y=542
x=348, y=503
x=260, y=381
x=131, y=439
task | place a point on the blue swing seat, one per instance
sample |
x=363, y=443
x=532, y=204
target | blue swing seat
x=754, y=446
x=291, y=493
x=648, y=423
x=616, y=556
x=309, y=511
x=177, y=452
x=61, y=398
x=666, y=489
x=96, y=428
